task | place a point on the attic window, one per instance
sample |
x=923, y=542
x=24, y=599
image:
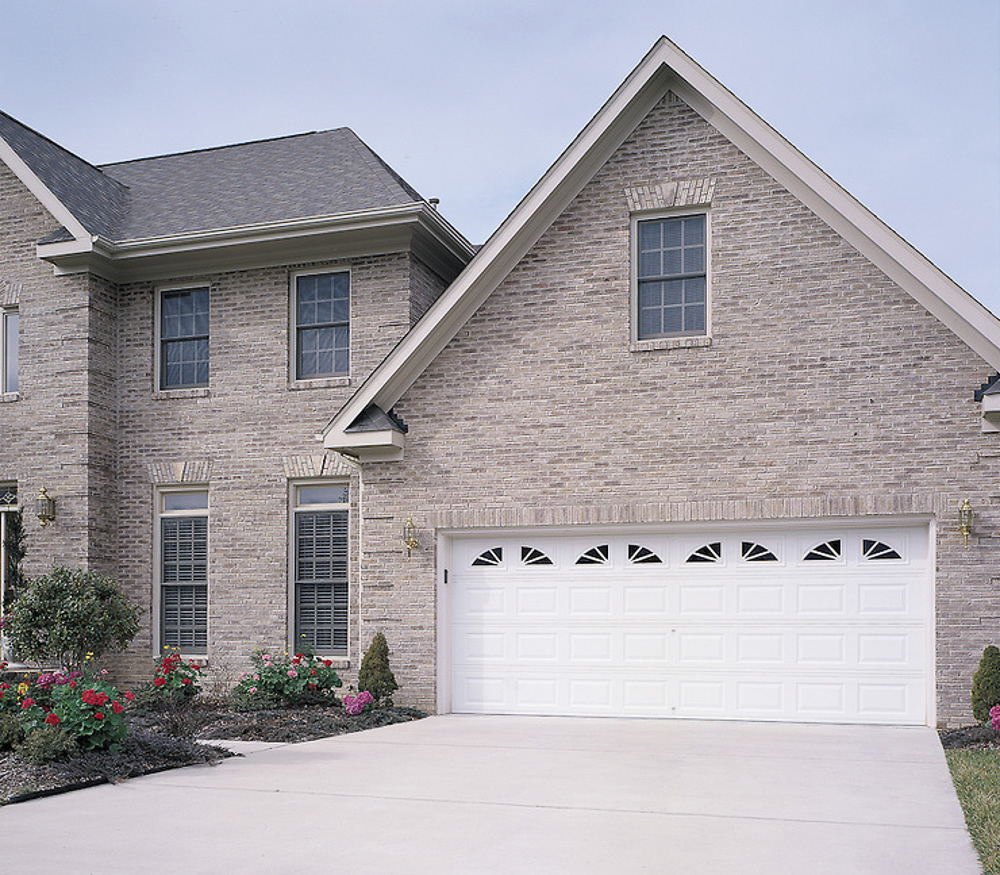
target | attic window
x=671, y=277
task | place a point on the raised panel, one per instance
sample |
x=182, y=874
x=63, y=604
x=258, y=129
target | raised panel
x=701, y=599
x=484, y=601
x=760, y=648
x=820, y=698
x=537, y=692
x=590, y=600
x=817, y=648
x=705, y=696
x=590, y=693
x=537, y=601
x=696, y=648
x=644, y=694
x=641, y=646
x=486, y=692
x=645, y=600
x=886, y=649
x=882, y=699
x=821, y=599
x=882, y=598
x=760, y=599
x=483, y=645
x=590, y=646
x=760, y=697
x=534, y=646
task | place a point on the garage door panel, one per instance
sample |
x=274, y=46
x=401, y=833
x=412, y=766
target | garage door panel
x=837, y=637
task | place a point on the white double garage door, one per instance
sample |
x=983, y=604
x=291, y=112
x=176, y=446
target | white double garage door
x=793, y=624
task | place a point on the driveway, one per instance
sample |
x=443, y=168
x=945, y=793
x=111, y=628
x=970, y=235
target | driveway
x=465, y=794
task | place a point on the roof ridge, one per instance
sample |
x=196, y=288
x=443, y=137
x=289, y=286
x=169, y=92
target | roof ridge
x=223, y=147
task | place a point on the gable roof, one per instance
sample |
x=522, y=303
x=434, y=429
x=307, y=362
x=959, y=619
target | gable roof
x=665, y=68
x=225, y=200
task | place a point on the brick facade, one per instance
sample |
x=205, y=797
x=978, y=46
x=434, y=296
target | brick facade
x=823, y=392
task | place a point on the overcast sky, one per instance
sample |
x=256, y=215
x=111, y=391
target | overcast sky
x=898, y=100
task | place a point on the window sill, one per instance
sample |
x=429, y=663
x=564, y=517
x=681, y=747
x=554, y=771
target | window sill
x=670, y=343
x=9, y=397
x=320, y=383
x=172, y=394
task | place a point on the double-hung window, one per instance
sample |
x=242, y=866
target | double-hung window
x=322, y=325
x=320, y=531
x=9, y=348
x=183, y=570
x=183, y=338
x=671, y=277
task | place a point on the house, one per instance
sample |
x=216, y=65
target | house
x=689, y=436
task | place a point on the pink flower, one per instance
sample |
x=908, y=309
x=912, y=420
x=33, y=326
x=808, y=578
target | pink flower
x=995, y=718
x=292, y=673
x=253, y=689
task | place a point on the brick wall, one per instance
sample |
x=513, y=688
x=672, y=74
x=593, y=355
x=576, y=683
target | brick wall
x=825, y=391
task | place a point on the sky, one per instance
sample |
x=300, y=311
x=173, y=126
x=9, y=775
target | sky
x=471, y=102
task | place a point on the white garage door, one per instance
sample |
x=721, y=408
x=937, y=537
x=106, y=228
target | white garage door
x=794, y=624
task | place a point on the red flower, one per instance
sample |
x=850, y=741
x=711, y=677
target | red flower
x=100, y=699
x=159, y=682
x=327, y=662
x=185, y=681
x=52, y=720
x=128, y=695
x=72, y=685
x=27, y=703
x=98, y=715
x=312, y=671
x=116, y=706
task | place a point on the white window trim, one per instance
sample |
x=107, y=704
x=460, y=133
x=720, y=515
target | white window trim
x=177, y=391
x=294, y=508
x=4, y=486
x=159, y=513
x=325, y=380
x=673, y=341
x=5, y=313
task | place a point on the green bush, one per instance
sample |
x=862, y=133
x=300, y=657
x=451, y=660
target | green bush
x=69, y=614
x=92, y=712
x=304, y=679
x=46, y=745
x=375, y=676
x=11, y=733
x=986, y=684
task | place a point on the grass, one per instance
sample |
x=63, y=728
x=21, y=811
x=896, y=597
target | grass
x=976, y=775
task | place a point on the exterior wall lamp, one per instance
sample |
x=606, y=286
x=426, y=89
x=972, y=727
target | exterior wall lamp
x=410, y=536
x=965, y=517
x=45, y=508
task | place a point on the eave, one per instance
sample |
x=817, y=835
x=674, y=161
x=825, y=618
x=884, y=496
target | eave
x=413, y=226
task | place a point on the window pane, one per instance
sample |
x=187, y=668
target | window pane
x=10, y=350
x=185, y=501
x=694, y=318
x=323, y=494
x=694, y=231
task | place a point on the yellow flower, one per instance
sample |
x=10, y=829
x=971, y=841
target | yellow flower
x=22, y=688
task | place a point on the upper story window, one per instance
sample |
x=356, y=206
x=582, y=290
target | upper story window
x=671, y=277
x=183, y=338
x=8, y=350
x=322, y=325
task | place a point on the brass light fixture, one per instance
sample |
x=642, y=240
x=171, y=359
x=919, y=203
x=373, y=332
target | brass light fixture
x=45, y=507
x=965, y=516
x=410, y=536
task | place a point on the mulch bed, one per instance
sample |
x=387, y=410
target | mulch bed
x=980, y=737
x=160, y=740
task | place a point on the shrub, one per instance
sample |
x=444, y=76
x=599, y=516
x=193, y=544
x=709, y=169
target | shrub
x=46, y=745
x=92, y=712
x=68, y=614
x=375, y=676
x=11, y=733
x=986, y=684
x=303, y=679
x=176, y=678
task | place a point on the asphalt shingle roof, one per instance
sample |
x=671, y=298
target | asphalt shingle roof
x=304, y=176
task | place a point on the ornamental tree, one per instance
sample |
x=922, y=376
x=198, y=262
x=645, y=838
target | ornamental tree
x=68, y=615
x=375, y=676
x=986, y=684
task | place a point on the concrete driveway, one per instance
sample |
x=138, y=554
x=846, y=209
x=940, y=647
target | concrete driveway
x=463, y=794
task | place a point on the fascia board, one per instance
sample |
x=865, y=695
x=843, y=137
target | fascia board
x=361, y=233
x=41, y=191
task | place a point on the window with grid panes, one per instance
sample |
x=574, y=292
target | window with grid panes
x=322, y=325
x=184, y=338
x=671, y=277
x=320, y=567
x=184, y=571
x=9, y=350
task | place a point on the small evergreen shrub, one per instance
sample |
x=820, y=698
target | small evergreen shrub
x=375, y=676
x=47, y=744
x=68, y=616
x=11, y=733
x=986, y=684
